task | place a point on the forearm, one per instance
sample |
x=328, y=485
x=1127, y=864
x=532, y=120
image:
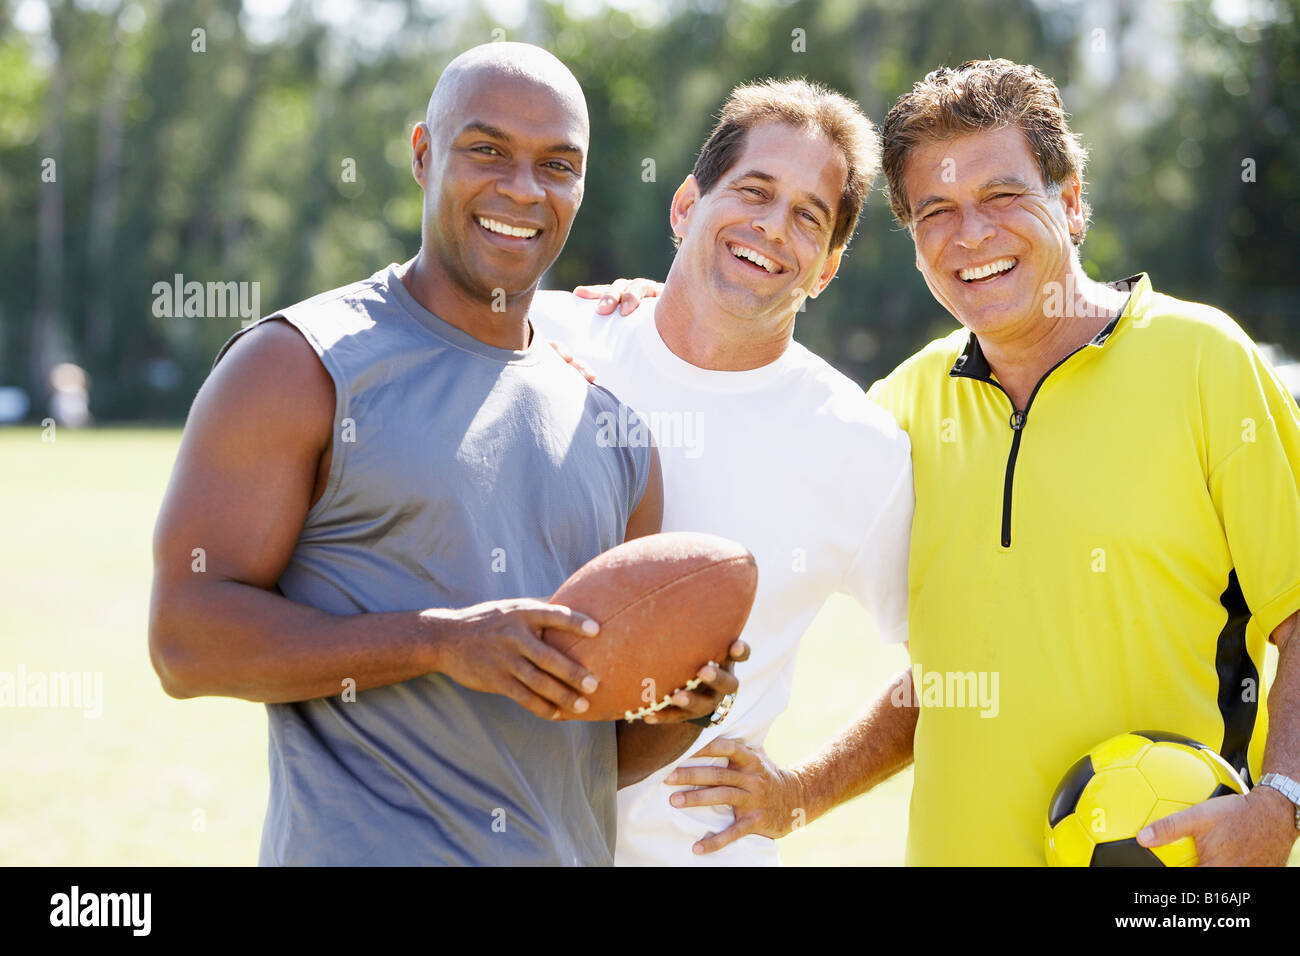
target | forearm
x=874, y=748
x=228, y=639
x=1282, y=746
x=644, y=748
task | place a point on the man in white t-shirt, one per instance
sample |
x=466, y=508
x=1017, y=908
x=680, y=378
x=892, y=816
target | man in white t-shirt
x=760, y=440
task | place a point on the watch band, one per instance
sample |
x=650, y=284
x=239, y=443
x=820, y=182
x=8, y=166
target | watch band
x=1285, y=786
x=718, y=715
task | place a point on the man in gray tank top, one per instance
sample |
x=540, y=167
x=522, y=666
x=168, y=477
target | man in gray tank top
x=374, y=488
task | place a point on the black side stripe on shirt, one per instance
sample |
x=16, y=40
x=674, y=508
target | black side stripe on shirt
x=1239, y=688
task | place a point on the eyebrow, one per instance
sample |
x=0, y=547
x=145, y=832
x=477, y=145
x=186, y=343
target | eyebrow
x=769, y=178
x=928, y=201
x=475, y=126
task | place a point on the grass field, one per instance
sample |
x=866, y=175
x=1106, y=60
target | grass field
x=159, y=781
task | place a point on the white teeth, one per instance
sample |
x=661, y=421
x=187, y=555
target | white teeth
x=515, y=231
x=741, y=252
x=1002, y=265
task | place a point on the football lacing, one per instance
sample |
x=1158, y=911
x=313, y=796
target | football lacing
x=691, y=684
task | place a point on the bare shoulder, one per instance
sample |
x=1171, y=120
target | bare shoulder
x=252, y=460
x=276, y=359
x=271, y=376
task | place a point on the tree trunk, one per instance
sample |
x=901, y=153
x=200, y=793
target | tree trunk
x=47, y=346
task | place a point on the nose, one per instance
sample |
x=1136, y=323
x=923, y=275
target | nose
x=973, y=229
x=770, y=222
x=519, y=184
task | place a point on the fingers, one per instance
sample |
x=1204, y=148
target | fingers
x=529, y=701
x=715, y=684
x=720, y=680
x=554, y=694
x=637, y=289
x=729, y=747
x=612, y=294
x=704, y=777
x=674, y=715
x=1170, y=828
x=547, y=658
x=561, y=618
x=562, y=668
x=623, y=294
x=739, y=651
x=709, y=797
x=627, y=295
x=686, y=705
x=716, y=841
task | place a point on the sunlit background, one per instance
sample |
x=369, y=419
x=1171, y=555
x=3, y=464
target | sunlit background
x=279, y=155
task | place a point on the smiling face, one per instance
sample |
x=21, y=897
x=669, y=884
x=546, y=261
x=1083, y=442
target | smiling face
x=759, y=240
x=502, y=171
x=990, y=236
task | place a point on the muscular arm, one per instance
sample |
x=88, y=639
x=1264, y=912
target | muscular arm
x=872, y=749
x=644, y=748
x=243, y=481
x=251, y=463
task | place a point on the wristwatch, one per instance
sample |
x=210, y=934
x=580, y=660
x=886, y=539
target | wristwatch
x=1285, y=786
x=718, y=715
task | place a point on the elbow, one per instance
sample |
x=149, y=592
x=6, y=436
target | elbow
x=170, y=661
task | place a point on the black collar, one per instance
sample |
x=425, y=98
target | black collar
x=972, y=363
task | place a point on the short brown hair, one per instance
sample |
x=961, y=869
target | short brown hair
x=807, y=106
x=983, y=95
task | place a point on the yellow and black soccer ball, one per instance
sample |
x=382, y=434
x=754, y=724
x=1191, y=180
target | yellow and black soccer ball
x=1121, y=785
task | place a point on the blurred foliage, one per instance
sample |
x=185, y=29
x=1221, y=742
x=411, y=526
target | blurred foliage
x=226, y=165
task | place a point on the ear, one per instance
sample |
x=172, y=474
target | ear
x=831, y=267
x=1072, y=199
x=420, y=147
x=679, y=213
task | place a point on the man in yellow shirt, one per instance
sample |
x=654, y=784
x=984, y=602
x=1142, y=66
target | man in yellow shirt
x=1107, y=523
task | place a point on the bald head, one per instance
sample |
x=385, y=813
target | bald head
x=501, y=157
x=493, y=62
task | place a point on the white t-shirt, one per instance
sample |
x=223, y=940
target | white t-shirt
x=794, y=462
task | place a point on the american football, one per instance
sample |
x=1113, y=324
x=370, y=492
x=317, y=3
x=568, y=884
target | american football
x=667, y=604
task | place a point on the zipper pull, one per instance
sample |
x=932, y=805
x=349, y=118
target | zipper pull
x=1018, y=420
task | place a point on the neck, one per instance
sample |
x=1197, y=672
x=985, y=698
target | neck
x=431, y=285
x=711, y=339
x=1056, y=326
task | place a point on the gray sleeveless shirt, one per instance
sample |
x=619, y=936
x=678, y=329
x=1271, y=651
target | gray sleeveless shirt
x=461, y=473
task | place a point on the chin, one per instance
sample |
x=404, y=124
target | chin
x=988, y=319
x=486, y=282
x=740, y=301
